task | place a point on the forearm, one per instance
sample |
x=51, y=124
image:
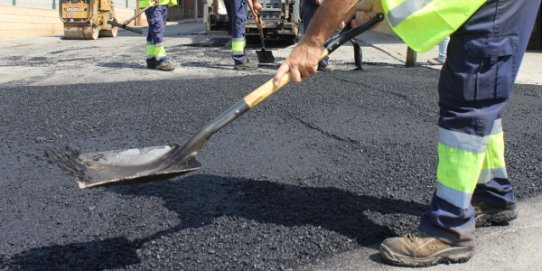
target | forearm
x=325, y=21
x=250, y=5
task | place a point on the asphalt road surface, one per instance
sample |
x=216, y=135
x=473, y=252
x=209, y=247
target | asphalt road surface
x=336, y=163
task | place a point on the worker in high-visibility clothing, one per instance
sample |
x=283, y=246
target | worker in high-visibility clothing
x=237, y=14
x=488, y=39
x=156, y=19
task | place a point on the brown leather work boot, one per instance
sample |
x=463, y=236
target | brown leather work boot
x=166, y=66
x=486, y=215
x=422, y=250
x=247, y=66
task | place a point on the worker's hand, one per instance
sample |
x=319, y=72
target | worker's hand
x=301, y=63
x=257, y=6
x=318, y=2
x=365, y=11
x=256, y=9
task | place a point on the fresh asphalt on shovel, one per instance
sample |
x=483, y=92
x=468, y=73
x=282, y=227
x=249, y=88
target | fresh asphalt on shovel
x=156, y=163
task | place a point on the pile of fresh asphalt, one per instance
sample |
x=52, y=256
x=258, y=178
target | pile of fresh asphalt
x=342, y=160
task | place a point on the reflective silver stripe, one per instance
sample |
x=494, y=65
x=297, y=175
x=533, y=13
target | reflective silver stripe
x=472, y=143
x=488, y=175
x=497, y=127
x=405, y=9
x=454, y=197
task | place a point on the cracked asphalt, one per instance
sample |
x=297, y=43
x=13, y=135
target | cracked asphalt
x=312, y=179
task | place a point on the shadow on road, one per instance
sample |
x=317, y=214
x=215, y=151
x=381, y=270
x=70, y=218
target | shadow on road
x=122, y=65
x=199, y=199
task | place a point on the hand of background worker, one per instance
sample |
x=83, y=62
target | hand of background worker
x=255, y=8
x=365, y=10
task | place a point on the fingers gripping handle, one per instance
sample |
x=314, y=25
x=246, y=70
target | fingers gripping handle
x=267, y=89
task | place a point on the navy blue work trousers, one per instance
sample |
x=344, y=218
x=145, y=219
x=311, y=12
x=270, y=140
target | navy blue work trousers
x=156, y=19
x=475, y=83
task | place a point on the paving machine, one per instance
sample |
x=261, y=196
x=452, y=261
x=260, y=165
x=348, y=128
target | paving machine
x=281, y=19
x=87, y=19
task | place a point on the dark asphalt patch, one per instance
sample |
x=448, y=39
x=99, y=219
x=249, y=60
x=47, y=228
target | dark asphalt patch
x=340, y=161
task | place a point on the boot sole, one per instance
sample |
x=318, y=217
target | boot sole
x=499, y=218
x=451, y=255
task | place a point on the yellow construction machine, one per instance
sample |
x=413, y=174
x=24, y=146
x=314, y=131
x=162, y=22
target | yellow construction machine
x=87, y=19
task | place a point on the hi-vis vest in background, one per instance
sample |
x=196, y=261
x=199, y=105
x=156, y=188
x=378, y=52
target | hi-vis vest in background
x=422, y=24
x=169, y=3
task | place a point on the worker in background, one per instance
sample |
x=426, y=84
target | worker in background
x=237, y=14
x=309, y=8
x=156, y=18
x=487, y=43
x=441, y=58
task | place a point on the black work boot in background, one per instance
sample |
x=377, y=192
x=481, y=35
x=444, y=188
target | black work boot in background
x=487, y=215
x=151, y=63
x=420, y=249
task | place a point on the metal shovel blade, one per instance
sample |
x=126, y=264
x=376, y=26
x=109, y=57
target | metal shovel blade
x=265, y=56
x=123, y=166
x=151, y=163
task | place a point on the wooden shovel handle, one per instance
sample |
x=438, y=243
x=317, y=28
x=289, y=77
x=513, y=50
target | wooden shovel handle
x=268, y=88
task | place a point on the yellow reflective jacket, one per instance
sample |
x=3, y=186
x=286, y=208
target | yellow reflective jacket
x=422, y=24
x=169, y=3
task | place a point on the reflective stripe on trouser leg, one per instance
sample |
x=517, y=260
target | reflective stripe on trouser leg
x=494, y=164
x=238, y=46
x=459, y=167
x=160, y=53
x=450, y=215
x=474, y=86
x=493, y=187
x=150, y=50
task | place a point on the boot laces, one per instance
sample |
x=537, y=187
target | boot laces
x=412, y=237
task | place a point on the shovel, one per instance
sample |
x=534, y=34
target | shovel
x=264, y=56
x=158, y=163
x=124, y=25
